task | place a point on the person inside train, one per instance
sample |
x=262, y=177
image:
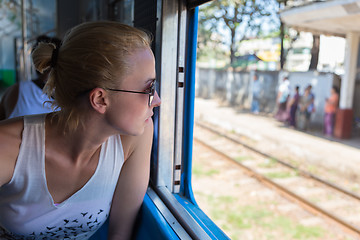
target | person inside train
x=27, y=97
x=62, y=174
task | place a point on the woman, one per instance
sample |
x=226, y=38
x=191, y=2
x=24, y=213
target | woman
x=331, y=106
x=282, y=100
x=293, y=105
x=306, y=108
x=60, y=173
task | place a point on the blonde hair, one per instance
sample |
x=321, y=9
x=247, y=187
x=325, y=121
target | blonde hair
x=93, y=54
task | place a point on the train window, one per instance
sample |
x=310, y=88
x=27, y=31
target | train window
x=122, y=11
x=171, y=171
x=169, y=209
x=16, y=42
x=210, y=134
x=264, y=165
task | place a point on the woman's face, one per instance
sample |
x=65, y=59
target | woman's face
x=129, y=113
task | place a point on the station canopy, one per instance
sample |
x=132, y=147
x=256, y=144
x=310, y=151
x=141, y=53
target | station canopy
x=333, y=17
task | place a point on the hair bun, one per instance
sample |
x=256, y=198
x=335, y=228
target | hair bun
x=42, y=56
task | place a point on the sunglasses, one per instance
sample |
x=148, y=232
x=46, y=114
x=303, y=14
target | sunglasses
x=151, y=92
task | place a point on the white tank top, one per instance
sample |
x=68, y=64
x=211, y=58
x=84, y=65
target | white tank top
x=27, y=210
x=30, y=100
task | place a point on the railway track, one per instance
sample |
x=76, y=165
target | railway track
x=312, y=193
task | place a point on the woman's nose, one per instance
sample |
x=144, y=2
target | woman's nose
x=156, y=101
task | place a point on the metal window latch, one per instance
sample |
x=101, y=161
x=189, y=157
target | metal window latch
x=177, y=178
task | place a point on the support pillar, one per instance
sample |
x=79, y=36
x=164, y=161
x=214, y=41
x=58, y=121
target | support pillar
x=343, y=123
x=344, y=116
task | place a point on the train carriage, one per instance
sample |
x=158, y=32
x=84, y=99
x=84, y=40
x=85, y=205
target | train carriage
x=169, y=210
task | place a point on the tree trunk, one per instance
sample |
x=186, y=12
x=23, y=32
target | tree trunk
x=282, y=57
x=282, y=36
x=232, y=47
x=315, y=52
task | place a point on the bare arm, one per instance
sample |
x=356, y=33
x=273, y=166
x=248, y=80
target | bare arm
x=278, y=97
x=132, y=185
x=333, y=100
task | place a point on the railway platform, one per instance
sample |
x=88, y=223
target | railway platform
x=340, y=156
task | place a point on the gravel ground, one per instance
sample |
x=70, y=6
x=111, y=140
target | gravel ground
x=341, y=157
x=245, y=209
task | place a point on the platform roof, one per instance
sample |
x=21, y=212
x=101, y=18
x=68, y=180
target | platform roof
x=333, y=17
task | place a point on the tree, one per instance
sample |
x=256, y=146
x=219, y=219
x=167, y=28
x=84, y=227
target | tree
x=9, y=17
x=316, y=38
x=282, y=4
x=315, y=52
x=241, y=18
x=209, y=44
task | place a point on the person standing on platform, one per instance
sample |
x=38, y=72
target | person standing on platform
x=256, y=90
x=307, y=107
x=282, y=99
x=293, y=106
x=331, y=107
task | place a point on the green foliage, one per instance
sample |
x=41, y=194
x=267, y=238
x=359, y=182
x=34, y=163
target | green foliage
x=293, y=230
x=228, y=22
x=268, y=163
x=355, y=188
x=281, y=174
x=9, y=10
x=199, y=171
x=243, y=217
x=236, y=217
x=242, y=158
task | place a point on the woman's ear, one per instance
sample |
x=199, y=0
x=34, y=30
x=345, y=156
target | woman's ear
x=98, y=98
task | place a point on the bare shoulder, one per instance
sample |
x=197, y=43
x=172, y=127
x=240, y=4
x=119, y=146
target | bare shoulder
x=10, y=140
x=138, y=143
x=10, y=132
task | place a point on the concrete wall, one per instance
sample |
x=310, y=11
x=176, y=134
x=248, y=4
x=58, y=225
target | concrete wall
x=234, y=88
